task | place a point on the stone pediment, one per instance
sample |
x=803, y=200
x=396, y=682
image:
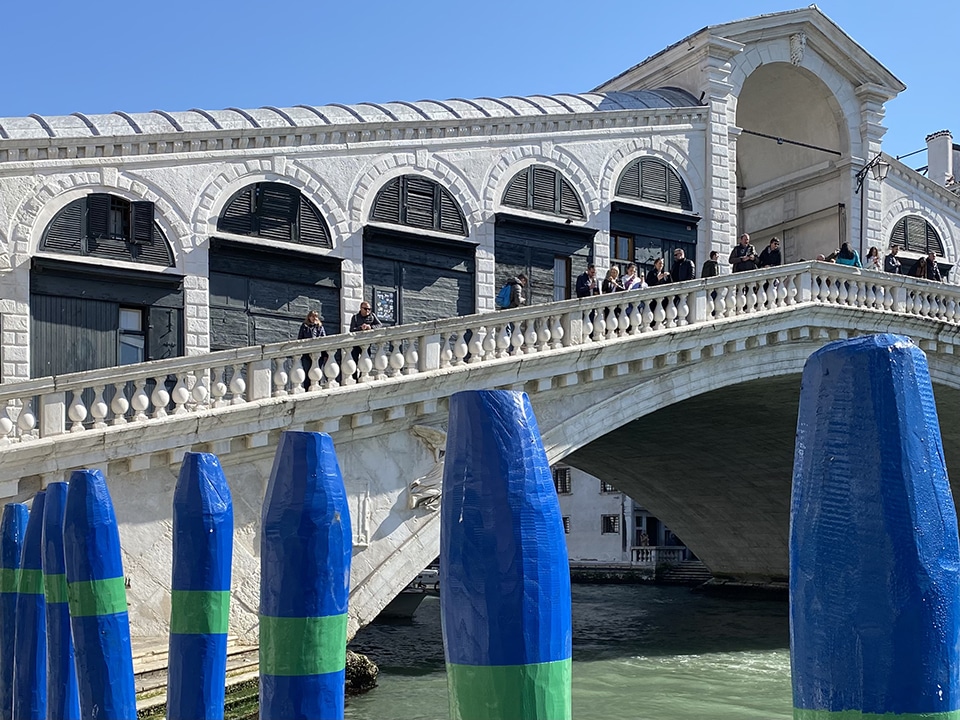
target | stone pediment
x=806, y=30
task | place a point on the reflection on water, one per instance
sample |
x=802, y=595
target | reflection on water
x=639, y=652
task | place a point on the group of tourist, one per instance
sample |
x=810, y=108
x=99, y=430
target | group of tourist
x=926, y=267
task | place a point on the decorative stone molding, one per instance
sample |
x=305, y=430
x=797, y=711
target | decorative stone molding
x=798, y=43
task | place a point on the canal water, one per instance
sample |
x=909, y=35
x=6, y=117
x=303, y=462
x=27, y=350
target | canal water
x=640, y=652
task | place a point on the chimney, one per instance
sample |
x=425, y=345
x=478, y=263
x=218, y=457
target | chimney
x=940, y=157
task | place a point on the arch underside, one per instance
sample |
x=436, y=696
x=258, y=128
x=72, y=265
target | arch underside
x=717, y=467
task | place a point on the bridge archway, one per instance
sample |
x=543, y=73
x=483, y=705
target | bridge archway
x=789, y=181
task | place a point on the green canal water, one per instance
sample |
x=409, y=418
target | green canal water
x=640, y=652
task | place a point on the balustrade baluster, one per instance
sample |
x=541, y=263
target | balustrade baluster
x=490, y=342
x=348, y=366
x=503, y=340
x=517, y=338
x=331, y=369
x=199, y=389
x=160, y=397
x=119, y=405
x=238, y=386
x=671, y=312
x=77, y=412
x=98, y=408
x=364, y=368
x=297, y=377
x=218, y=388
x=659, y=315
x=611, y=321
x=446, y=350
x=6, y=423
x=181, y=395
x=140, y=400
x=624, y=323
x=396, y=360
x=834, y=293
x=460, y=348
x=925, y=304
x=587, y=326
x=476, y=346
x=543, y=334
x=27, y=419
x=599, y=325
x=411, y=357
x=280, y=378
x=683, y=310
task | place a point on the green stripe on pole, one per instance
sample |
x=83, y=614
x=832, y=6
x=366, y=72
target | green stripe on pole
x=293, y=647
x=511, y=692
x=90, y=598
x=199, y=612
x=9, y=580
x=31, y=582
x=55, y=588
x=799, y=714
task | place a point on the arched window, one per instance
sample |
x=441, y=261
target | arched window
x=274, y=211
x=652, y=180
x=916, y=234
x=419, y=202
x=109, y=227
x=544, y=190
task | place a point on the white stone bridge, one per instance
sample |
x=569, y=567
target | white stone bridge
x=684, y=396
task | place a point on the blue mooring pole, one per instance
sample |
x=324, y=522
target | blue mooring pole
x=63, y=702
x=13, y=526
x=305, y=550
x=874, y=552
x=98, y=600
x=504, y=574
x=30, y=667
x=200, y=596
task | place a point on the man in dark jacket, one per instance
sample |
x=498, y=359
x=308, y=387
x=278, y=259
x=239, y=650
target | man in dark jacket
x=711, y=267
x=744, y=255
x=891, y=263
x=364, y=320
x=683, y=268
x=587, y=284
x=770, y=257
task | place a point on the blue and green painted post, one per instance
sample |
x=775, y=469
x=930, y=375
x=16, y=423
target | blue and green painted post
x=305, y=549
x=63, y=702
x=98, y=600
x=874, y=552
x=200, y=591
x=13, y=526
x=504, y=574
x=30, y=647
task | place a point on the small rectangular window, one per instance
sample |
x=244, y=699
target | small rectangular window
x=607, y=487
x=561, y=480
x=132, y=338
x=566, y=524
x=610, y=524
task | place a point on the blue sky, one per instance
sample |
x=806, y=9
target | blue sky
x=105, y=55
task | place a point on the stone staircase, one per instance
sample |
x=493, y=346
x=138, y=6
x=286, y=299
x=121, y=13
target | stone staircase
x=688, y=572
x=150, y=676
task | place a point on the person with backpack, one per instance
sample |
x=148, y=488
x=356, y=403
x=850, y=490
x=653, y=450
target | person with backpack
x=511, y=294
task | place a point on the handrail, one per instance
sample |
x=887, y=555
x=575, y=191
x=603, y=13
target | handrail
x=94, y=399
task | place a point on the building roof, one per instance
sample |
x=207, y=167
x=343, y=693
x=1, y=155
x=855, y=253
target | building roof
x=156, y=122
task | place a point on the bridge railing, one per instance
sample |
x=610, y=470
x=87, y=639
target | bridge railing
x=99, y=399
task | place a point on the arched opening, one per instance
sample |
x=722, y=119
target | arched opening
x=789, y=182
x=110, y=308
x=260, y=292
x=549, y=249
x=418, y=265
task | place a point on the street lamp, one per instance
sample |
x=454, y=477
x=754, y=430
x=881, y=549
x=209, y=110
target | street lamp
x=879, y=168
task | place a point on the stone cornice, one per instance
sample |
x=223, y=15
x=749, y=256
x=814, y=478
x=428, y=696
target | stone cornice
x=46, y=152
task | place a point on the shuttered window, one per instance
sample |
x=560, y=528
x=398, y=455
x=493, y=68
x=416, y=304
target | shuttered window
x=652, y=180
x=543, y=190
x=274, y=211
x=108, y=227
x=916, y=234
x=418, y=202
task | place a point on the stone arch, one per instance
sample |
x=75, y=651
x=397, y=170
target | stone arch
x=233, y=177
x=515, y=159
x=908, y=206
x=38, y=210
x=778, y=51
x=658, y=147
x=365, y=187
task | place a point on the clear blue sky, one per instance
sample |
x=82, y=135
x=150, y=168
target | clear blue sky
x=105, y=55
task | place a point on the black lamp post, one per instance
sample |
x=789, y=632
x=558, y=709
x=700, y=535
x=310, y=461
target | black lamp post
x=879, y=168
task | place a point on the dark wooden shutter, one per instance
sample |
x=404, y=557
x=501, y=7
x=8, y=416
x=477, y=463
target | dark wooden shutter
x=653, y=181
x=141, y=223
x=386, y=206
x=629, y=184
x=276, y=210
x=65, y=232
x=899, y=234
x=98, y=215
x=451, y=218
x=237, y=216
x=516, y=194
x=933, y=240
x=544, y=190
x=419, y=206
x=164, y=335
x=313, y=230
x=569, y=202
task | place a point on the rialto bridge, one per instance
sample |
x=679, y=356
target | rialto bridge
x=684, y=397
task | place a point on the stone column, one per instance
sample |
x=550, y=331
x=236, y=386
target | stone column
x=866, y=214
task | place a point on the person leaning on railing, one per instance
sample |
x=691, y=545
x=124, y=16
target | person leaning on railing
x=363, y=320
x=743, y=257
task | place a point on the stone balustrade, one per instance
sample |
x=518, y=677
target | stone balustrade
x=96, y=400
x=654, y=556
